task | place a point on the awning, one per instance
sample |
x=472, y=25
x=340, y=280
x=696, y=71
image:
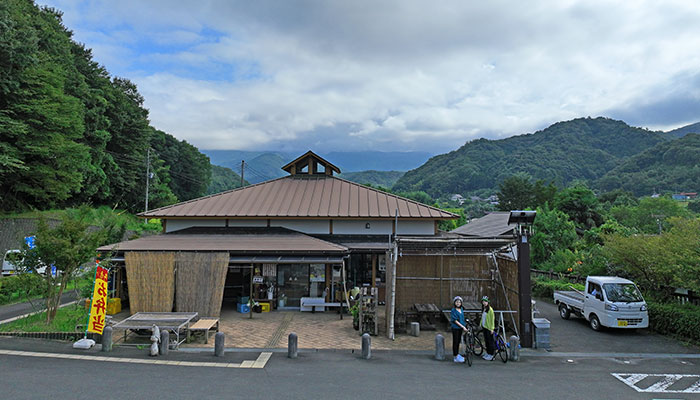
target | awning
x=285, y=260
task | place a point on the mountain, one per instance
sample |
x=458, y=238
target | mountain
x=667, y=167
x=266, y=165
x=680, y=132
x=223, y=179
x=580, y=149
x=385, y=179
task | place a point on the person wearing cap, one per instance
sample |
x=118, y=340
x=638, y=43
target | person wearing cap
x=459, y=325
x=488, y=324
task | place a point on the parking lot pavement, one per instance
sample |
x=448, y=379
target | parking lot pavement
x=575, y=335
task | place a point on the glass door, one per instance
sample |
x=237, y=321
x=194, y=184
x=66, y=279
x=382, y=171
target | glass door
x=293, y=283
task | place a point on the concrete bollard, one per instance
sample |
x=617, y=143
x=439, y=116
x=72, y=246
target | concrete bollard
x=164, y=342
x=219, y=339
x=439, y=347
x=107, y=339
x=366, y=346
x=414, y=329
x=293, y=346
x=514, y=351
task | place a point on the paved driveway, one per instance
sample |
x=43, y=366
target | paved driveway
x=575, y=335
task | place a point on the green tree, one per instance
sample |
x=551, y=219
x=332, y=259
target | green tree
x=580, y=204
x=650, y=215
x=659, y=263
x=67, y=246
x=516, y=193
x=553, y=232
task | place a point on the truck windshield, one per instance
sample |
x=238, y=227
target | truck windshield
x=622, y=292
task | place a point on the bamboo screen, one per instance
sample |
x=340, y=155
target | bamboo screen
x=151, y=279
x=200, y=282
x=437, y=279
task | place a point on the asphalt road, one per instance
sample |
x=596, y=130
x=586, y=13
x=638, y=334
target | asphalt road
x=336, y=375
x=14, y=310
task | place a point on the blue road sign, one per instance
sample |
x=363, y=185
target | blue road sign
x=29, y=240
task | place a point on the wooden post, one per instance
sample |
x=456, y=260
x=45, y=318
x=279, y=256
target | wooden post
x=374, y=270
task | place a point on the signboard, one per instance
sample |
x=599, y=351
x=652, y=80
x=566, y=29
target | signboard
x=30, y=241
x=257, y=279
x=98, y=310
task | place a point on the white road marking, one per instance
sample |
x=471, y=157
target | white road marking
x=664, y=381
x=261, y=361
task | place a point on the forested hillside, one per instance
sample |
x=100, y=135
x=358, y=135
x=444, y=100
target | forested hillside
x=385, y=179
x=70, y=133
x=667, y=167
x=223, y=179
x=581, y=149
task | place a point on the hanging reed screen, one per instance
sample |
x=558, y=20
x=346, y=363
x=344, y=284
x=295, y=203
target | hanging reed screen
x=151, y=280
x=200, y=282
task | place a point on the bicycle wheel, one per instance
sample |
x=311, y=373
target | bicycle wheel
x=478, y=344
x=469, y=349
x=502, y=350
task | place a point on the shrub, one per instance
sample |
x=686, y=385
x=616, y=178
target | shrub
x=19, y=287
x=545, y=288
x=675, y=319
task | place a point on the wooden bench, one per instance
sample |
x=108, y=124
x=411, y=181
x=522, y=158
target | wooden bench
x=205, y=324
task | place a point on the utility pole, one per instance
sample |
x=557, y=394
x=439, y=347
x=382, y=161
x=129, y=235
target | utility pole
x=148, y=173
x=242, y=171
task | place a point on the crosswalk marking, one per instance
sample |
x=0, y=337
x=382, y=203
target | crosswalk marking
x=662, y=384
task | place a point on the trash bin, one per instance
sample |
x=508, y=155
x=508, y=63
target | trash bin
x=541, y=333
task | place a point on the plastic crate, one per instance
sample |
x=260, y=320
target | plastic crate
x=243, y=308
x=114, y=306
x=265, y=307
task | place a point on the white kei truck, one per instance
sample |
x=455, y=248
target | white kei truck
x=607, y=301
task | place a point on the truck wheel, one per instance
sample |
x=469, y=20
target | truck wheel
x=564, y=311
x=595, y=323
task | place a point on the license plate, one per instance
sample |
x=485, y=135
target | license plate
x=621, y=323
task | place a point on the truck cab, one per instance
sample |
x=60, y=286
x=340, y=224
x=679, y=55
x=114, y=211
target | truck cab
x=614, y=302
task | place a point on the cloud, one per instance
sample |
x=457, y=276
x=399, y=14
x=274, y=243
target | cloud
x=396, y=74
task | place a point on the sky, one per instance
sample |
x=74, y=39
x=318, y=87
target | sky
x=393, y=75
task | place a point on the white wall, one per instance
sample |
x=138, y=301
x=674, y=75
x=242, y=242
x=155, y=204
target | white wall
x=178, y=224
x=314, y=226
x=416, y=227
x=247, y=222
x=358, y=227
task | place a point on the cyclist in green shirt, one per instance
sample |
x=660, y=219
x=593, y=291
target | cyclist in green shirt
x=488, y=324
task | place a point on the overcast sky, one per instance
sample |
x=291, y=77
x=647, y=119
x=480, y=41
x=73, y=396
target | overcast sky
x=393, y=75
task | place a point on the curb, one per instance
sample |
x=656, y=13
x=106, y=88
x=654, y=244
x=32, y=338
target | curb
x=67, y=336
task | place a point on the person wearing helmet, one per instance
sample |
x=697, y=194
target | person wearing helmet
x=458, y=324
x=488, y=324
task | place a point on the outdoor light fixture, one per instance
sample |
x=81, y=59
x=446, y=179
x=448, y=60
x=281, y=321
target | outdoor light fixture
x=367, y=225
x=522, y=217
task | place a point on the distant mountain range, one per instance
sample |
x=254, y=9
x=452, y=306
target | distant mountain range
x=586, y=149
x=262, y=166
x=680, y=132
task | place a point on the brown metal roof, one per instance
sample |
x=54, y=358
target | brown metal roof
x=301, y=197
x=248, y=240
x=490, y=225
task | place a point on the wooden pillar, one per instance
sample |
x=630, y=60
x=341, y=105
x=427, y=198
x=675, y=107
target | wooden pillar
x=374, y=270
x=329, y=281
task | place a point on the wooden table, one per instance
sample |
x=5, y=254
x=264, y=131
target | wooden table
x=428, y=315
x=205, y=324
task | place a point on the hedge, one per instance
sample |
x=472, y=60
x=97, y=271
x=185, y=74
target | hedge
x=545, y=288
x=18, y=287
x=682, y=321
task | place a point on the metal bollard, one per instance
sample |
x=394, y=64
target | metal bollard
x=415, y=329
x=366, y=346
x=514, y=351
x=292, y=345
x=164, y=342
x=219, y=340
x=439, y=347
x=107, y=339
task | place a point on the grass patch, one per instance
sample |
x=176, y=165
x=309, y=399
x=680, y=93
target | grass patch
x=66, y=320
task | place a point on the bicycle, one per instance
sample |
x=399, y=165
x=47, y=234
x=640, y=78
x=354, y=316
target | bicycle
x=501, y=349
x=472, y=343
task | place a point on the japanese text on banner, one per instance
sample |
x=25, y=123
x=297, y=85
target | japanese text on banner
x=99, y=302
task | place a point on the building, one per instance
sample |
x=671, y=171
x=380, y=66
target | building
x=303, y=235
x=280, y=240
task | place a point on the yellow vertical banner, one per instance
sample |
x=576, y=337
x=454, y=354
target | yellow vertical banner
x=98, y=309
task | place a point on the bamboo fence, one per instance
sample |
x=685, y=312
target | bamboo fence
x=200, y=282
x=151, y=280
